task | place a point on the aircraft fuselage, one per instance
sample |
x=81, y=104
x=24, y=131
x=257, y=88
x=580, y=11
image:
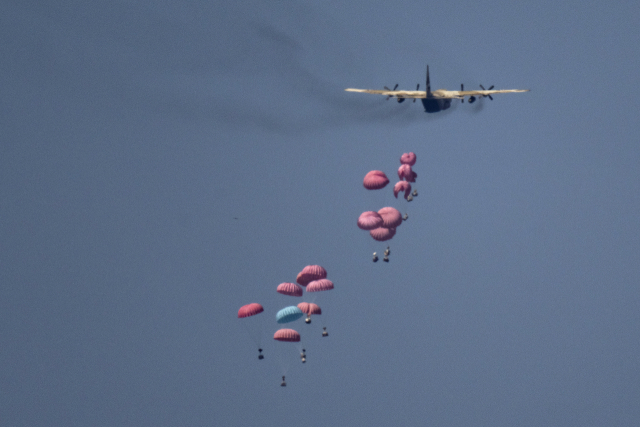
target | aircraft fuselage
x=433, y=105
x=433, y=101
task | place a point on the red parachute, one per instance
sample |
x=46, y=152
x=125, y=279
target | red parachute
x=250, y=310
x=402, y=186
x=391, y=217
x=289, y=289
x=311, y=273
x=309, y=308
x=405, y=172
x=408, y=159
x=381, y=234
x=369, y=220
x=320, y=285
x=375, y=180
x=287, y=335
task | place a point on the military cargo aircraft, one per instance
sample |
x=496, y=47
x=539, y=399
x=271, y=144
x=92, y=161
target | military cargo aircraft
x=437, y=100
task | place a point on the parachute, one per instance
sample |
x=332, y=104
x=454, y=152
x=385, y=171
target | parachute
x=250, y=310
x=405, y=172
x=391, y=217
x=289, y=314
x=320, y=285
x=311, y=273
x=402, y=186
x=369, y=220
x=309, y=308
x=375, y=180
x=286, y=335
x=289, y=289
x=382, y=234
x=408, y=159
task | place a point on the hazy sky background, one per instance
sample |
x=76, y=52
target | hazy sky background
x=134, y=133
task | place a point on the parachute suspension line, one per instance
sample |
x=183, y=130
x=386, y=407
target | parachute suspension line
x=282, y=360
x=254, y=331
x=285, y=337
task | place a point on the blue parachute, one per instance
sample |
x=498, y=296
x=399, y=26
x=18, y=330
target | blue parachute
x=289, y=314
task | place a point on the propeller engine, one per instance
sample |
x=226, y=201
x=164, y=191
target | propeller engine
x=473, y=98
x=492, y=86
x=394, y=88
x=414, y=99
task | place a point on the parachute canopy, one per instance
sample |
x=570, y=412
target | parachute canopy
x=381, y=234
x=289, y=289
x=311, y=273
x=288, y=335
x=309, y=308
x=370, y=220
x=391, y=217
x=405, y=172
x=289, y=314
x=402, y=186
x=250, y=310
x=320, y=285
x=375, y=180
x=408, y=159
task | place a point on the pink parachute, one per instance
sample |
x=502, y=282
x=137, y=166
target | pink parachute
x=391, y=217
x=289, y=289
x=405, y=172
x=309, y=308
x=370, y=220
x=320, y=285
x=311, y=273
x=288, y=335
x=408, y=159
x=381, y=234
x=402, y=186
x=250, y=310
x=375, y=180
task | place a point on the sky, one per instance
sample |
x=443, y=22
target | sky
x=164, y=163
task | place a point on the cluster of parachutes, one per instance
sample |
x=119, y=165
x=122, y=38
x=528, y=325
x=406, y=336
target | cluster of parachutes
x=312, y=278
x=382, y=224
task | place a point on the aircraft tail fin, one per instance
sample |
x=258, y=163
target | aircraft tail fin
x=428, y=84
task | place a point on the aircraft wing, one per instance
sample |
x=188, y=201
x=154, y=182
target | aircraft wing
x=393, y=93
x=484, y=92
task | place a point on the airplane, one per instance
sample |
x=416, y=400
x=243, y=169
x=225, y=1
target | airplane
x=437, y=100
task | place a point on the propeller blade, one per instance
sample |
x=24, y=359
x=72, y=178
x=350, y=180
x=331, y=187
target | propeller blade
x=462, y=90
x=394, y=88
x=417, y=88
x=490, y=97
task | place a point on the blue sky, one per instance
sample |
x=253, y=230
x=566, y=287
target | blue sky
x=134, y=134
